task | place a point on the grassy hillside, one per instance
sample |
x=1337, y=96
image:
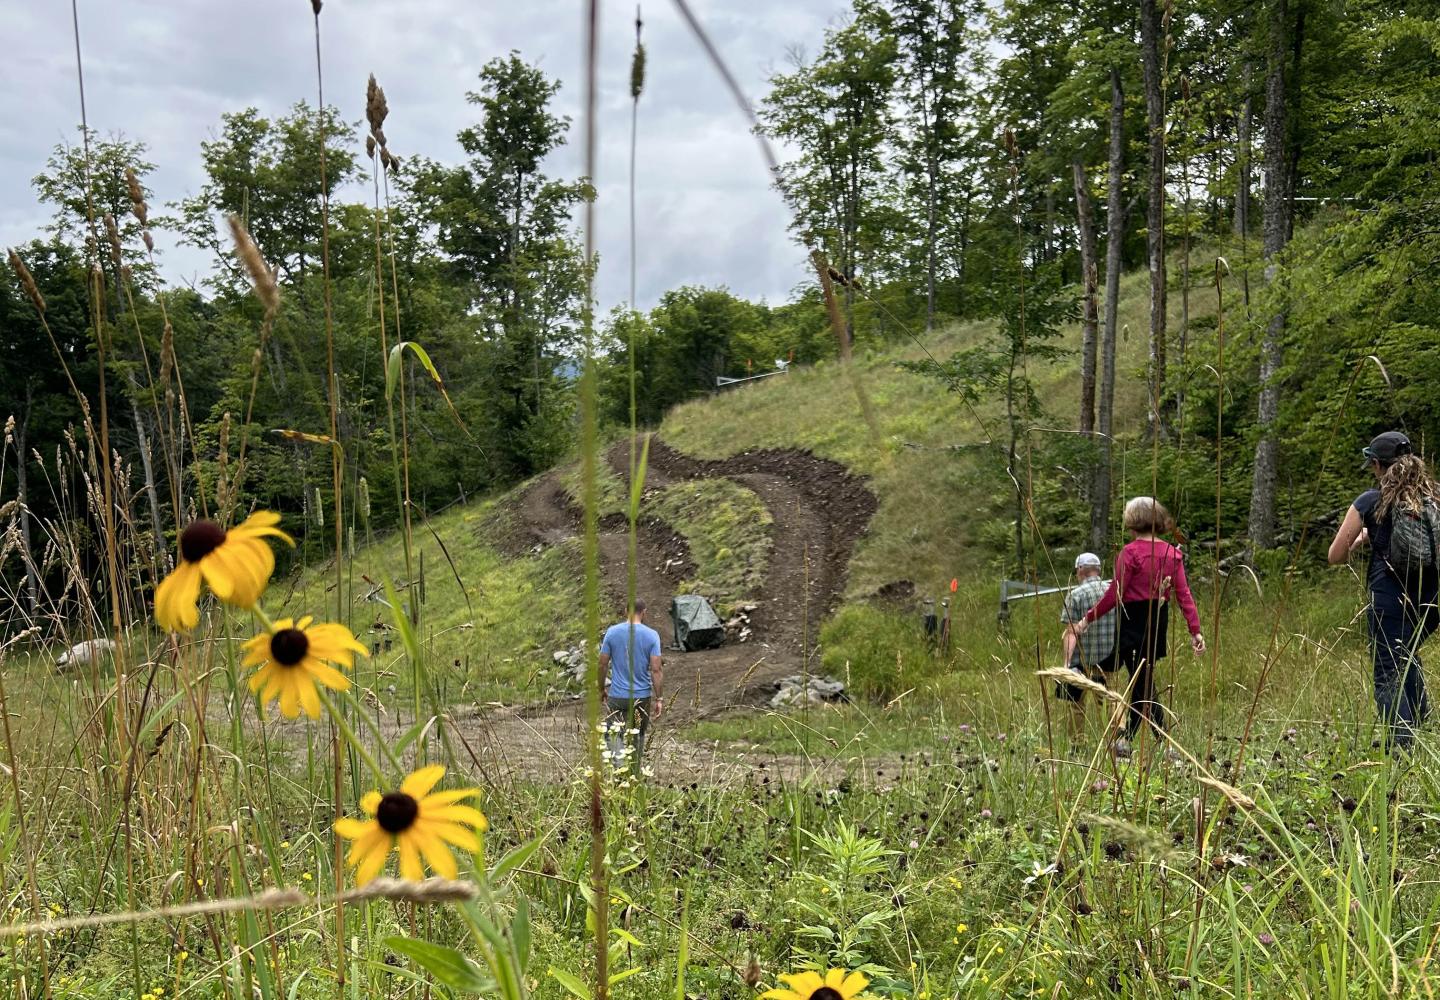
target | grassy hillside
x=944, y=501
x=491, y=617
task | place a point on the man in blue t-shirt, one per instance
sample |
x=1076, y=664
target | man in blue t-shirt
x=631, y=677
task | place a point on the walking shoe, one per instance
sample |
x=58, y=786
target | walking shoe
x=1121, y=748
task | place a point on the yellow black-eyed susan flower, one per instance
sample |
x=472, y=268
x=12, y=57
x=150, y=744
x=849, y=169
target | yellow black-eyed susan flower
x=295, y=657
x=836, y=984
x=417, y=823
x=236, y=564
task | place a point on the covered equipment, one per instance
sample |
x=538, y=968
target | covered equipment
x=696, y=624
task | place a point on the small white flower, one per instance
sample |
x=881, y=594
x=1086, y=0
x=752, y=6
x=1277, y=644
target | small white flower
x=1039, y=871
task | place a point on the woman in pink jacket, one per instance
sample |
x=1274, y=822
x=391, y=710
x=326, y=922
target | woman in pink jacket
x=1147, y=571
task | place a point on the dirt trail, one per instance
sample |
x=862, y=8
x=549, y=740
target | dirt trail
x=819, y=510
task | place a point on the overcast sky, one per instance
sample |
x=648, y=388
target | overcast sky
x=163, y=71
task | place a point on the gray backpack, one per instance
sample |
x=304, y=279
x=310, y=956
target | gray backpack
x=1413, y=540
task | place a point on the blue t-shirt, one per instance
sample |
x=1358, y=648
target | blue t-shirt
x=630, y=674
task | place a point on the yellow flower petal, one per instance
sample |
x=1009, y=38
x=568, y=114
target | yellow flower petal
x=419, y=783
x=835, y=978
x=175, y=598
x=803, y=983
x=261, y=677
x=437, y=856
x=309, y=697
x=468, y=815
x=289, y=697
x=354, y=829
x=436, y=799
x=372, y=861
x=325, y=674
x=409, y=858
x=455, y=834
x=853, y=986
x=370, y=802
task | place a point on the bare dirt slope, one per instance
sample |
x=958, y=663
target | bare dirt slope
x=819, y=510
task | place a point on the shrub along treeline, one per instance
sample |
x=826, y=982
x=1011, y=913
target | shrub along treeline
x=962, y=160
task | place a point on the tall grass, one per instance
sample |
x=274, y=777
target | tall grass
x=160, y=836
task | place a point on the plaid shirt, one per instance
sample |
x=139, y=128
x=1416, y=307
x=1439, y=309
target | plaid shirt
x=1099, y=639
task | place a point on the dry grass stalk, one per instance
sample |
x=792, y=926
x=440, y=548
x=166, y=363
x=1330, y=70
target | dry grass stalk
x=261, y=277
x=376, y=107
x=1075, y=678
x=27, y=281
x=167, y=353
x=429, y=891
x=1236, y=797
x=112, y=233
x=137, y=197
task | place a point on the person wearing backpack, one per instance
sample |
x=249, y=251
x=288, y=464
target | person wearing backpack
x=1400, y=520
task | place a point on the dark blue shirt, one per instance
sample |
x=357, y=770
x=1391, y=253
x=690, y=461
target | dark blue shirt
x=1379, y=577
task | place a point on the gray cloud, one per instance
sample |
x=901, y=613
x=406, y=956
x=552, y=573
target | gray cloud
x=164, y=71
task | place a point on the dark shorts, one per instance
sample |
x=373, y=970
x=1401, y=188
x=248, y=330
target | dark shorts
x=1095, y=671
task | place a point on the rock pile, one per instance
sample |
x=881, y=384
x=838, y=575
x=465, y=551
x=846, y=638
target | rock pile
x=737, y=626
x=793, y=690
x=570, y=664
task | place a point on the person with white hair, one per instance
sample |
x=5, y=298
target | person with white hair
x=1148, y=572
x=1093, y=653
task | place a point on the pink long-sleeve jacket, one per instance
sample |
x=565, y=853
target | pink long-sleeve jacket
x=1148, y=569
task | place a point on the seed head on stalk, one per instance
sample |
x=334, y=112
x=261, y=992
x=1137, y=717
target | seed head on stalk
x=261, y=276
x=27, y=282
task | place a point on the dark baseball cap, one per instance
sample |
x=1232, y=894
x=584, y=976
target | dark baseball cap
x=1386, y=448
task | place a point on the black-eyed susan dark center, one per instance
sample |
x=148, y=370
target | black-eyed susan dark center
x=289, y=646
x=826, y=993
x=397, y=812
x=199, y=539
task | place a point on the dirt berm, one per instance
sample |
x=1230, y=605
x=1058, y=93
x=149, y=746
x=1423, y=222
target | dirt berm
x=819, y=509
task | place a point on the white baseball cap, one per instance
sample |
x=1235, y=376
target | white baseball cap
x=1089, y=559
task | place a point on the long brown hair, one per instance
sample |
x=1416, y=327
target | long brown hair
x=1406, y=484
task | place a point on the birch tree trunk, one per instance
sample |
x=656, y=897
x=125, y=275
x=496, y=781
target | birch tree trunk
x=1279, y=222
x=1090, y=307
x=1114, y=244
x=1150, y=52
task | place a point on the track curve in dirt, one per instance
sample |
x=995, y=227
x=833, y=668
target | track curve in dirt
x=819, y=510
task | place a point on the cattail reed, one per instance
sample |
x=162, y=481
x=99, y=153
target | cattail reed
x=261, y=277
x=27, y=281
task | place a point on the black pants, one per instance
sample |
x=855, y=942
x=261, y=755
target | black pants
x=1398, y=626
x=1140, y=645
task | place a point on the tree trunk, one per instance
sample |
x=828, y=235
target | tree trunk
x=1150, y=51
x=1279, y=210
x=1242, y=161
x=32, y=574
x=147, y=466
x=1114, y=244
x=932, y=172
x=1085, y=218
